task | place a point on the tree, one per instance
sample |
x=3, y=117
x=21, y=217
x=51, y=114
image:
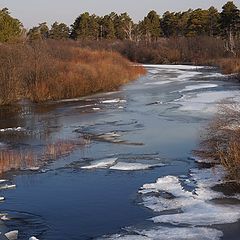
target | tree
x=10, y=28
x=59, y=31
x=150, y=26
x=197, y=23
x=86, y=26
x=213, y=25
x=230, y=21
x=107, y=26
x=124, y=27
x=169, y=24
x=182, y=22
x=40, y=32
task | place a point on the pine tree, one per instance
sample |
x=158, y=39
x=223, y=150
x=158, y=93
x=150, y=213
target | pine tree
x=59, y=31
x=10, y=28
x=86, y=26
x=230, y=21
x=169, y=24
x=213, y=27
x=108, y=30
x=150, y=26
x=41, y=32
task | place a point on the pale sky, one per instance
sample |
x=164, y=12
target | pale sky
x=32, y=12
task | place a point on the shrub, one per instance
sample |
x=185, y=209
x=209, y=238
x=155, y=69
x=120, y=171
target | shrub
x=51, y=70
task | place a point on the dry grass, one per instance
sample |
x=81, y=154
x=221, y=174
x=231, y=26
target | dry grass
x=56, y=70
x=14, y=160
x=221, y=140
x=230, y=65
x=18, y=159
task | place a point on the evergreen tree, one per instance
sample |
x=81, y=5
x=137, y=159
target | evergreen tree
x=169, y=24
x=230, y=25
x=213, y=25
x=108, y=30
x=86, y=26
x=40, y=32
x=10, y=28
x=182, y=22
x=59, y=31
x=197, y=23
x=150, y=26
x=230, y=19
x=124, y=27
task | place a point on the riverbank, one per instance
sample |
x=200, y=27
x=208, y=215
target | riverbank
x=199, y=50
x=43, y=71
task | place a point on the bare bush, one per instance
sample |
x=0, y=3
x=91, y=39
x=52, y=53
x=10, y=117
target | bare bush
x=51, y=70
x=221, y=140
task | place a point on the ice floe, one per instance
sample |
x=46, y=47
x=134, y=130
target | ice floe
x=17, y=129
x=126, y=166
x=7, y=186
x=117, y=100
x=13, y=235
x=181, y=67
x=196, y=207
x=115, y=164
x=157, y=82
x=168, y=233
x=197, y=87
x=104, y=163
x=33, y=238
x=206, y=101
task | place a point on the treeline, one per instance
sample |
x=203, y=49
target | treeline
x=120, y=27
x=114, y=26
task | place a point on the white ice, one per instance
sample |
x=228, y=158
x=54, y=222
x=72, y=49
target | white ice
x=181, y=67
x=181, y=233
x=33, y=238
x=6, y=186
x=117, y=100
x=206, y=101
x=197, y=208
x=197, y=87
x=104, y=163
x=13, y=235
x=17, y=129
x=169, y=233
x=157, y=82
x=126, y=166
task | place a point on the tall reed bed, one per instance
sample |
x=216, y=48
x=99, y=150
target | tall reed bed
x=28, y=159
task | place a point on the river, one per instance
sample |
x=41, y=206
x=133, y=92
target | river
x=133, y=176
